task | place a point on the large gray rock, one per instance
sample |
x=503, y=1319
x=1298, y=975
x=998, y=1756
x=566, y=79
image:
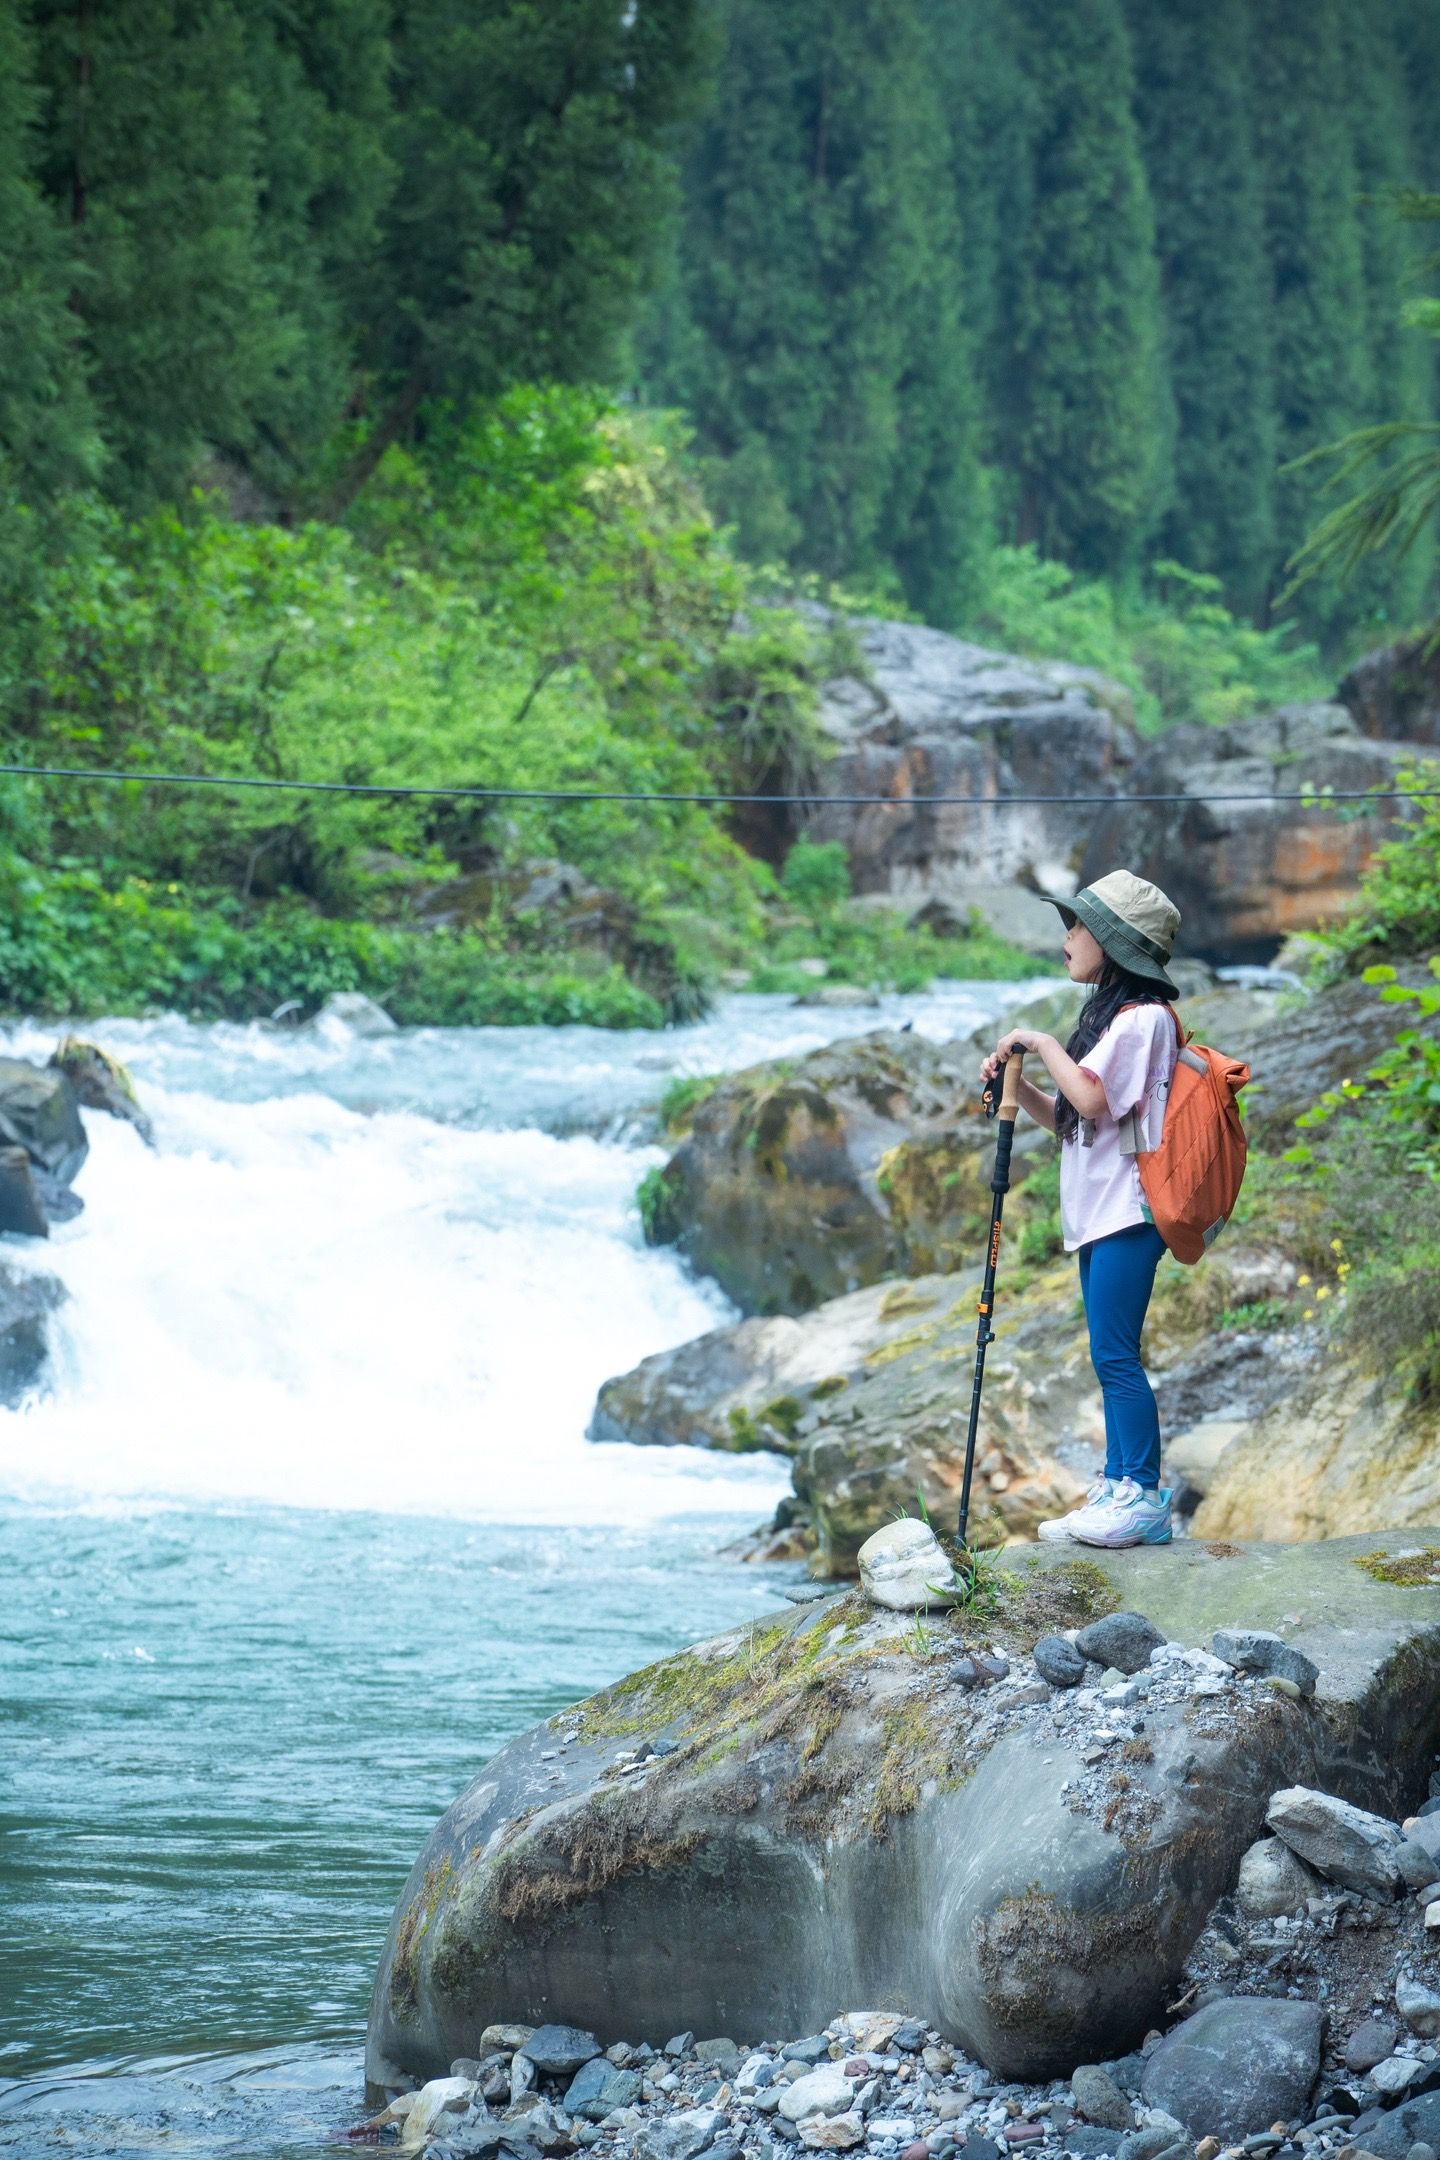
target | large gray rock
x=101, y=1082
x=800, y=1180
x=42, y=1146
x=1346, y=1844
x=1391, y=2132
x=28, y=1305
x=1237, y=2066
x=841, y=1818
x=1394, y=694
x=931, y=716
x=1246, y=874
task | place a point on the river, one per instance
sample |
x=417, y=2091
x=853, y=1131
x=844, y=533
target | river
x=308, y=1525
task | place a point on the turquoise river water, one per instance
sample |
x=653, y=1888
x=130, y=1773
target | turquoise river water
x=307, y=1526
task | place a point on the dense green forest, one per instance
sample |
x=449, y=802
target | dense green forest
x=412, y=390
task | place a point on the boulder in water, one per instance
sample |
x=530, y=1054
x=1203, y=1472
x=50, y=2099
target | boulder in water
x=42, y=1146
x=101, y=1082
x=28, y=1303
x=838, y=1814
x=797, y=1181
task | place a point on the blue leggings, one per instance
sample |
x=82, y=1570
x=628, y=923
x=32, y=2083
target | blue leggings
x=1117, y=1274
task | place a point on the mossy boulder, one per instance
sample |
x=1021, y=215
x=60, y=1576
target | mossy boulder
x=800, y=1180
x=822, y=1809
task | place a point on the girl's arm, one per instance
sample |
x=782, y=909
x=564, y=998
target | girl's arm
x=1087, y=1095
x=1040, y=1105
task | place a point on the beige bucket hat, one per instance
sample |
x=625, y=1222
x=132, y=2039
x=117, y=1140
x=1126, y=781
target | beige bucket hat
x=1131, y=920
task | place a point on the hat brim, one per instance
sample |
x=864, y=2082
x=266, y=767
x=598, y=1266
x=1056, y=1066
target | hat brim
x=1110, y=936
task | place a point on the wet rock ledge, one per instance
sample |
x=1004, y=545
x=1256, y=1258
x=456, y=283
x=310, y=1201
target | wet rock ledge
x=838, y=1806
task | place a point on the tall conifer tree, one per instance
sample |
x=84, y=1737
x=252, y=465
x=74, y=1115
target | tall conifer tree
x=1401, y=371
x=1320, y=334
x=818, y=336
x=989, y=109
x=319, y=76
x=1088, y=415
x=1192, y=99
x=533, y=141
x=152, y=149
x=48, y=438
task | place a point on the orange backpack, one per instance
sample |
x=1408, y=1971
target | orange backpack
x=1192, y=1179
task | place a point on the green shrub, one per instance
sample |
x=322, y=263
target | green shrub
x=1173, y=645
x=1397, y=910
x=816, y=876
x=1375, y=1157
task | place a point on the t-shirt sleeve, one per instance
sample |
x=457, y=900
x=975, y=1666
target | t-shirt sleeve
x=1121, y=1059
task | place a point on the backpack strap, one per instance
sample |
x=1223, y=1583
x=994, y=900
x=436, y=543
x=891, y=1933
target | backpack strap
x=1129, y=1125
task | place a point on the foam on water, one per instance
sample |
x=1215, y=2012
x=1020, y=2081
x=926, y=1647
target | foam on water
x=387, y=1274
x=293, y=1302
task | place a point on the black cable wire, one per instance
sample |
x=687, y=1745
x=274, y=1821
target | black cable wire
x=1318, y=798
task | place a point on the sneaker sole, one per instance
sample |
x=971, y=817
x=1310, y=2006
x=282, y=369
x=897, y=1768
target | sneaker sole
x=1156, y=1536
x=1052, y=1534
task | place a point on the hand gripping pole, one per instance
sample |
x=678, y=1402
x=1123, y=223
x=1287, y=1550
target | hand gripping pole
x=999, y=1185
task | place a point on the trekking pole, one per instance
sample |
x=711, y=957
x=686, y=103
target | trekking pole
x=999, y=1185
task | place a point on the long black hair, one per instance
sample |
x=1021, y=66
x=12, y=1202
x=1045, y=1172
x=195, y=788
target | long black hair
x=1114, y=986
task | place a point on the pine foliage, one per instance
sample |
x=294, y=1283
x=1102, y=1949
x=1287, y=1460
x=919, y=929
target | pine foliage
x=815, y=329
x=1095, y=276
x=1192, y=97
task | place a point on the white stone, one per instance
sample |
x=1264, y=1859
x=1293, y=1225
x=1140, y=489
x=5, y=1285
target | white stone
x=903, y=1568
x=825, y=2090
x=747, y=2075
x=1420, y=2008
x=442, y=2096
x=832, y=2133
x=1394, y=2075
x=1432, y=1914
x=893, y=2126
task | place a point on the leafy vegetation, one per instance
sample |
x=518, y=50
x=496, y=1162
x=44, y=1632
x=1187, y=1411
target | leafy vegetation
x=1177, y=647
x=1397, y=913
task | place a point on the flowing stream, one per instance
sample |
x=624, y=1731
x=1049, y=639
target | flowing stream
x=308, y=1525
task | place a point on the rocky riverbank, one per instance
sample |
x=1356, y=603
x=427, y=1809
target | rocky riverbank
x=842, y=1199
x=968, y=1817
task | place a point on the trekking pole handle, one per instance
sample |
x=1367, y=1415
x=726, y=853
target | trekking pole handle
x=1008, y=1111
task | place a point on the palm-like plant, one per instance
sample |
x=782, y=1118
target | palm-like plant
x=1394, y=505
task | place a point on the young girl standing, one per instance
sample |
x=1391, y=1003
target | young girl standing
x=1112, y=1078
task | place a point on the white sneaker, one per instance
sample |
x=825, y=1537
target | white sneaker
x=1059, y=1530
x=1126, y=1516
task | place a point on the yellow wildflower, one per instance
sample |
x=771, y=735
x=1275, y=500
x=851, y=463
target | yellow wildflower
x=1323, y=1291
x=1335, y=1245
x=1309, y=1313
x=1300, y=1281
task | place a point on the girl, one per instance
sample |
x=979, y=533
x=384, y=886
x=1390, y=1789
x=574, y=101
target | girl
x=1112, y=1077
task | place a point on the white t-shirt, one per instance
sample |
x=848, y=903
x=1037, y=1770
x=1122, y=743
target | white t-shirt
x=1134, y=1061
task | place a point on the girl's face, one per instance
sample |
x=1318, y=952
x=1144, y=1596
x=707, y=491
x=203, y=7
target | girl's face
x=1084, y=955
